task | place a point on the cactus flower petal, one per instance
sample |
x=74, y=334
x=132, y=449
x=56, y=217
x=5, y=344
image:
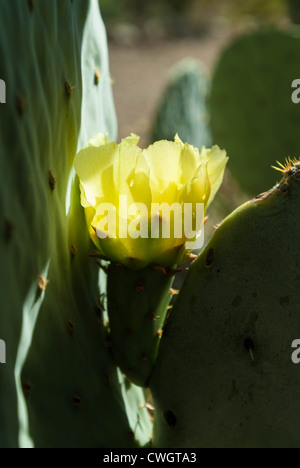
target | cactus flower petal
x=120, y=185
x=217, y=161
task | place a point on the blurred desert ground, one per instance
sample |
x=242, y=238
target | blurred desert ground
x=147, y=37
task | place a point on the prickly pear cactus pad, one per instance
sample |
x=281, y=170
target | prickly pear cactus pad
x=116, y=178
x=252, y=113
x=183, y=108
x=137, y=306
x=59, y=387
x=294, y=10
x=224, y=377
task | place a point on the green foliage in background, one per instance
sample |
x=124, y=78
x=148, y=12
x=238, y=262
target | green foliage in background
x=144, y=8
x=294, y=10
x=252, y=113
x=261, y=10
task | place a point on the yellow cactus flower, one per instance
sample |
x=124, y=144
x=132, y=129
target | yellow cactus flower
x=137, y=201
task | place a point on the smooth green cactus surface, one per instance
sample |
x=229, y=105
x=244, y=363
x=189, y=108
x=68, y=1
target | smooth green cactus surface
x=137, y=306
x=183, y=108
x=60, y=386
x=224, y=377
x=252, y=113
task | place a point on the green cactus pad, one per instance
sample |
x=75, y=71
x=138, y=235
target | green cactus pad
x=294, y=9
x=137, y=307
x=252, y=113
x=59, y=387
x=183, y=107
x=224, y=376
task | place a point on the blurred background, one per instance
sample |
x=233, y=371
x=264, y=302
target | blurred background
x=147, y=37
x=212, y=70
